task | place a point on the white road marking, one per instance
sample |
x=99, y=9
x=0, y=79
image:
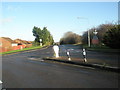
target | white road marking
x=37, y=59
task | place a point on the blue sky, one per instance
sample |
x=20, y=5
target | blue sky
x=19, y=18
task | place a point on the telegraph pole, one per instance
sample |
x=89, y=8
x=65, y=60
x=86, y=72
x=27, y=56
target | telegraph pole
x=88, y=38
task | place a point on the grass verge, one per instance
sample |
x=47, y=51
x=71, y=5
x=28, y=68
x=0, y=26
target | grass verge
x=25, y=49
x=102, y=49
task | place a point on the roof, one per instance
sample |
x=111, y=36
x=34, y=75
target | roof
x=16, y=40
x=22, y=41
x=8, y=39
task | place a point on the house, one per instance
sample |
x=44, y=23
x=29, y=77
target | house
x=6, y=44
x=20, y=42
x=23, y=42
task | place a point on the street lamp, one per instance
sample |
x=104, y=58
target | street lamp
x=88, y=30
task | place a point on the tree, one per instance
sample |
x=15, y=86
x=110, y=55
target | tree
x=112, y=37
x=70, y=38
x=47, y=38
x=101, y=29
x=37, y=32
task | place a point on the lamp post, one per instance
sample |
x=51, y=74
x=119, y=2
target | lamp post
x=89, y=44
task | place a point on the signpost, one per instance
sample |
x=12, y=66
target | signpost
x=40, y=42
x=95, y=38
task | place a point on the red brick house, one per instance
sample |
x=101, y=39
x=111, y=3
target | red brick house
x=23, y=42
x=6, y=44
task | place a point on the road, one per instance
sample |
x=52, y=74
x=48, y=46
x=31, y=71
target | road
x=28, y=70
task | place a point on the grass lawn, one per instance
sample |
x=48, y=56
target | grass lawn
x=25, y=49
x=102, y=49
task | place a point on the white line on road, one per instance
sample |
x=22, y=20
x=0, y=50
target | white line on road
x=37, y=59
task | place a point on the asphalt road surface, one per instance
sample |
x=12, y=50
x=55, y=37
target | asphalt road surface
x=28, y=70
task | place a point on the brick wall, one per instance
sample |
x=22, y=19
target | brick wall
x=18, y=47
x=28, y=45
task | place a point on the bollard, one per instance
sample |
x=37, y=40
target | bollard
x=84, y=55
x=68, y=55
x=56, y=50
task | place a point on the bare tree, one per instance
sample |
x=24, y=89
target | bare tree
x=70, y=38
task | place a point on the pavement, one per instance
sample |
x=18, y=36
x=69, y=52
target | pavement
x=77, y=61
x=103, y=62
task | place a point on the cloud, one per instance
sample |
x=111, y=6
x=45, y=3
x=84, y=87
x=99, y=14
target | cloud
x=82, y=18
x=7, y=20
x=12, y=8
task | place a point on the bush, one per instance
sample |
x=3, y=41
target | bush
x=112, y=37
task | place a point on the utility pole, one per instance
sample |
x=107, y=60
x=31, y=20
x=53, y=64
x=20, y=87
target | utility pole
x=88, y=38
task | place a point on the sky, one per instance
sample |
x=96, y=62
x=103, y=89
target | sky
x=19, y=18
